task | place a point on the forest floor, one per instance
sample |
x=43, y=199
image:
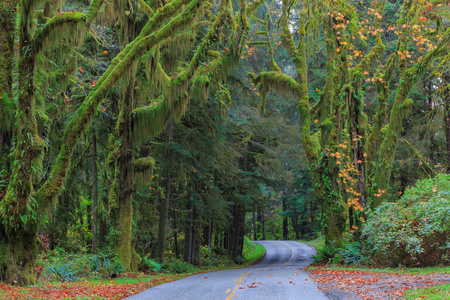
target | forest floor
x=338, y=282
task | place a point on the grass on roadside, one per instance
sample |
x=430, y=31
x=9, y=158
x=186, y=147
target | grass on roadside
x=316, y=243
x=252, y=252
x=439, y=292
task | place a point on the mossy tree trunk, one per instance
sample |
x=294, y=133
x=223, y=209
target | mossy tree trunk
x=6, y=78
x=19, y=205
x=164, y=202
x=446, y=95
x=6, y=110
x=21, y=209
x=125, y=177
x=94, y=193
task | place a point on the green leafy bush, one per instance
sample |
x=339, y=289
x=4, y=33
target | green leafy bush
x=60, y=273
x=61, y=266
x=179, y=266
x=415, y=230
x=103, y=267
x=115, y=269
x=148, y=264
x=328, y=253
x=352, y=254
x=99, y=263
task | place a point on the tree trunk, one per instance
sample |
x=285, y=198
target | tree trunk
x=197, y=240
x=263, y=224
x=22, y=230
x=188, y=233
x=125, y=175
x=255, y=237
x=6, y=78
x=94, y=193
x=164, y=203
x=285, y=219
x=334, y=210
x=175, y=235
x=447, y=118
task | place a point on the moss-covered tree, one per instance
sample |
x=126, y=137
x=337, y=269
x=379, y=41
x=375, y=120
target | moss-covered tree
x=21, y=209
x=350, y=160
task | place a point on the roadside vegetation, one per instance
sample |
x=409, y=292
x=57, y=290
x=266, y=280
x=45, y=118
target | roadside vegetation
x=409, y=237
x=60, y=275
x=434, y=293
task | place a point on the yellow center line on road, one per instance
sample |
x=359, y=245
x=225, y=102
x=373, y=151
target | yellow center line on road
x=237, y=285
x=292, y=250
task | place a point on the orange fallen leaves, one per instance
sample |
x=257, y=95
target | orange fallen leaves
x=371, y=285
x=75, y=290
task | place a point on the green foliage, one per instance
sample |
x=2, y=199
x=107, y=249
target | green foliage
x=7, y=110
x=328, y=254
x=60, y=273
x=252, y=251
x=103, y=267
x=317, y=243
x=148, y=264
x=352, y=254
x=61, y=266
x=179, y=267
x=433, y=293
x=416, y=229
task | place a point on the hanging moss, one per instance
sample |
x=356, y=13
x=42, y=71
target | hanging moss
x=68, y=25
x=144, y=163
x=144, y=170
x=150, y=120
x=117, y=68
x=279, y=82
x=400, y=110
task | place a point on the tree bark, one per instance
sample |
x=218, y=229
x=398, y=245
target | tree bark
x=94, y=193
x=447, y=118
x=175, y=235
x=22, y=230
x=285, y=219
x=164, y=202
x=125, y=175
x=255, y=237
x=188, y=232
x=263, y=224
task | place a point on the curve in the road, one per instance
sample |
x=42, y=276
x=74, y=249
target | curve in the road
x=278, y=276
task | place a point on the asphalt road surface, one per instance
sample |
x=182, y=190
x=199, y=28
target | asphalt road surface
x=277, y=277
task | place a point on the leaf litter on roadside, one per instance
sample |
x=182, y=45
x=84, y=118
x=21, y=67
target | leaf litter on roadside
x=347, y=284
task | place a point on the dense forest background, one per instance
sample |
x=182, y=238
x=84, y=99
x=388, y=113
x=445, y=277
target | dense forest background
x=172, y=129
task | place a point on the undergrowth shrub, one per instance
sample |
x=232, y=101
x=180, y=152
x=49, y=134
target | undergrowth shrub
x=61, y=266
x=60, y=273
x=179, y=266
x=352, y=254
x=328, y=254
x=149, y=265
x=415, y=231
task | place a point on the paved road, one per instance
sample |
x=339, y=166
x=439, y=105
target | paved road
x=277, y=277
